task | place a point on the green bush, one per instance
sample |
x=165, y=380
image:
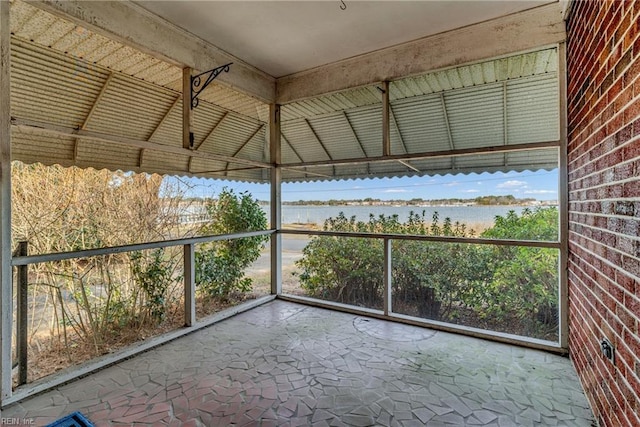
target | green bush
x=427, y=277
x=525, y=279
x=221, y=265
x=514, y=288
x=344, y=269
x=154, y=275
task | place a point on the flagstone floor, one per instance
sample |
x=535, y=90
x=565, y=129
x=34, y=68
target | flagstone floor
x=285, y=364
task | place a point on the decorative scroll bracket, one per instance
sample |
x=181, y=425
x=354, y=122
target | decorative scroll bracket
x=197, y=85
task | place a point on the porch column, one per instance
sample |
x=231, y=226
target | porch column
x=6, y=293
x=276, y=198
x=386, y=129
x=563, y=202
x=189, y=251
x=187, y=116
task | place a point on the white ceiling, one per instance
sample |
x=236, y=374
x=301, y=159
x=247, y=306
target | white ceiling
x=286, y=37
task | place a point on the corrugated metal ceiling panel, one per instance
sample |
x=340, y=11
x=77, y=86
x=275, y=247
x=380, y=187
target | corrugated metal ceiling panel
x=130, y=108
x=476, y=116
x=115, y=156
x=59, y=74
x=345, y=100
x=30, y=23
x=32, y=147
x=230, y=136
x=52, y=87
x=338, y=138
x=533, y=110
x=304, y=142
x=422, y=124
x=367, y=125
x=492, y=162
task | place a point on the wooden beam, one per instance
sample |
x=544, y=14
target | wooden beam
x=386, y=129
x=317, y=138
x=6, y=274
x=187, y=116
x=132, y=25
x=33, y=125
x=448, y=125
x=94, y=106
x=524, y=31
x=430, y=155
x=164, y=118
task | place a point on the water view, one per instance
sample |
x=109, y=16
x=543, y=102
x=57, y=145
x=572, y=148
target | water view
x=471, y=215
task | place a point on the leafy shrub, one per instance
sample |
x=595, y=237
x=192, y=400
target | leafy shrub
x=525, y=279
x=515, y=287
x=427, y=277
x=346, y=270
x=220, y=265
x=154, y=275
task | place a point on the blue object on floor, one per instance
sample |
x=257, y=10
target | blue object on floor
x=75, y=419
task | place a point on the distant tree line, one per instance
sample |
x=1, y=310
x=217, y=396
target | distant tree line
x=508, y=200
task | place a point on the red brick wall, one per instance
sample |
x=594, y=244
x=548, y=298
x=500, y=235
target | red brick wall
x=603, y=67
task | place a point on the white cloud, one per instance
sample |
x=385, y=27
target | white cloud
x=469, y=191
x=514, y=183
x=397, y=190
x=451, y=184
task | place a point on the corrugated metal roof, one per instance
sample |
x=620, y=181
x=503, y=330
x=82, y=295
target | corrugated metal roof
x=507, y=101
x=33, y=24
x=64, y=75
x=59, y=89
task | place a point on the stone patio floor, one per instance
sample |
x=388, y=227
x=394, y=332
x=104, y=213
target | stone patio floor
x=285, y=364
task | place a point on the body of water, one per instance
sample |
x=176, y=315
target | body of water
x=472, y=215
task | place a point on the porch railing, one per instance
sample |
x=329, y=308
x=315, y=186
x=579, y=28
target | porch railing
x=21, y=260
x=387, y=309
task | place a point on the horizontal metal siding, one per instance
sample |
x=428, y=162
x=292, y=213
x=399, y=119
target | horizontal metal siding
x=422, y=124
x=476, y=116
x=32, y=147
x=303, y=141
x=367, y=124
x=229, y=136
x=109, y=156
x=533, y=110
x=335, y=133
x=52, y=89
x=130, y=108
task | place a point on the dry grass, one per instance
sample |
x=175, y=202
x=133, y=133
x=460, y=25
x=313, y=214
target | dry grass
x=51, y=354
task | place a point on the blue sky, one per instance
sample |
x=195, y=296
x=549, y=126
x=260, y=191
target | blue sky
x=541, y=185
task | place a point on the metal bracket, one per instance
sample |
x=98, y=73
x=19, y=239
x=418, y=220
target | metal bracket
x=197, y=85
